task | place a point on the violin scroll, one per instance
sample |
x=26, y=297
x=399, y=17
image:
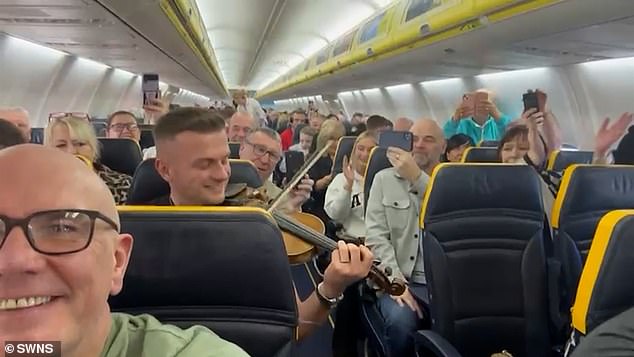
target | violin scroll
x=395, y=287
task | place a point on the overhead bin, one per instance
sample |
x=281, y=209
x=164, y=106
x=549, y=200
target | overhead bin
x=406, y=25
x=186, y=18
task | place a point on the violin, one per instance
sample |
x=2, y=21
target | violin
x=304, y=234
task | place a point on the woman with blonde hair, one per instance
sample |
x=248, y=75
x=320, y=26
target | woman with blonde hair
x=77, y=136
x=344, y=196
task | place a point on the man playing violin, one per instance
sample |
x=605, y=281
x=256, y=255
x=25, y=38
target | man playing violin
x=193, y=157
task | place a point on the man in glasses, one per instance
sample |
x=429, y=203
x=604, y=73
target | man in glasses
x=263, y=147
x=61, y=256
x=193, y=157
x=122, y=124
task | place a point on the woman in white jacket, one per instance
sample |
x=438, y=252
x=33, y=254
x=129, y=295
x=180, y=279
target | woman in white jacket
x=344, y=197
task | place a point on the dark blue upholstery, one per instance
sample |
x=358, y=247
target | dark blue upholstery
x=122, y=155
x=227, y=271
x=377, y=162
x=485, y=259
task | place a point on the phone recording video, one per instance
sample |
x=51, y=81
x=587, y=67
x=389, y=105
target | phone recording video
x=400, y=139
x=150, y=87
x=534, y=100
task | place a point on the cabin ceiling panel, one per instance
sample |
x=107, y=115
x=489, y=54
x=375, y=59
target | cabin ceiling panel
x=267, y=38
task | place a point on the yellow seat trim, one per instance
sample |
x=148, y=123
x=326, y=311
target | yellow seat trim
x=194, y=209
x=552, y=158
x=593, y=265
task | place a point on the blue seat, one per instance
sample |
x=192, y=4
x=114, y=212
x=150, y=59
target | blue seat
x=560, y=160
x=481, y=154
x=344, y=149
x=485, y=254
x=183, y=270
x=122, y=155
x=377, y=162
x=606, y=287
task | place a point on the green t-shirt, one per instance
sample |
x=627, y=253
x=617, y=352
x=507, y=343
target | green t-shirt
x=144, y=335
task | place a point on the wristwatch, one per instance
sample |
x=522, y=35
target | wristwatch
x=330, y=302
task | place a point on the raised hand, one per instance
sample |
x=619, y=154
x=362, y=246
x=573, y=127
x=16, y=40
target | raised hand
x=609, y=135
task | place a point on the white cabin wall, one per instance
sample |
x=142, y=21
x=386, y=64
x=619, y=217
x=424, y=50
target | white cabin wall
x=43, y=80
x=580, y=96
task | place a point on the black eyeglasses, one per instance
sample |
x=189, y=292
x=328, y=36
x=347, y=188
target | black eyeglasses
x=261, y=150
x=56, y=232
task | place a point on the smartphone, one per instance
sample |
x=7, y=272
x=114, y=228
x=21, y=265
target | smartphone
x=400, y=139
x=534, y=99
x=469, y=102
x=294, y=162
x=150, y=87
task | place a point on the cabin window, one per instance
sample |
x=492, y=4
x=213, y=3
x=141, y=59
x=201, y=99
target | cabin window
x=322, y=56
x=419, y=7
x=371, y=29
x=343, y=45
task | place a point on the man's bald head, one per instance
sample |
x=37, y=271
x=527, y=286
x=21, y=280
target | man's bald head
x=240, y=125
x=20, y=118
x=71, y=257
x=403, y=124
x=47, y=178
x=429, y=143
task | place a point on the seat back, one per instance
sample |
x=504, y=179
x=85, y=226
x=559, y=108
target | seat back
x=485, y=261
x=221, y=267
x=481, y=154
x=37, y=135
x=559, y=160
x=147, y=139
x=489, y=144
x=100, y=127
x=344, y=148
x=606, y=287
x=586, y=193
x=376, y=162
x=147, y=184
x=122, y=155
x=234, y=149
x=243, y=171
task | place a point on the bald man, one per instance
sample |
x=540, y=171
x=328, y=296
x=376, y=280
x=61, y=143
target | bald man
x=239, y=126
x=392, y=232
x=20, y=118
x=403, y=124
x=56, y=276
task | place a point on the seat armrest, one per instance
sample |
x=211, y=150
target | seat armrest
x=435, y=343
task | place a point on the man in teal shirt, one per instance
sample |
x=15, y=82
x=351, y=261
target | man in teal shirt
x=487, y=123
x=61, y=256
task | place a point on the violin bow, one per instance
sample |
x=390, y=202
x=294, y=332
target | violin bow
x=299, y=176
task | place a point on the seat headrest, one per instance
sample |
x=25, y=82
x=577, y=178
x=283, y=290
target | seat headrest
x=376, y=162
x=489, y=144
x=147, y=184
x=243, y=171
x=204, y=256
x=481, y=154
x=591, y=189
x=344, y=148
x=559, y=160
x=606, y=288
x=461, y=190
x=234, y=149
x=122, y=155
x=147, y=139
x=37, y=135
x=100, y=127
